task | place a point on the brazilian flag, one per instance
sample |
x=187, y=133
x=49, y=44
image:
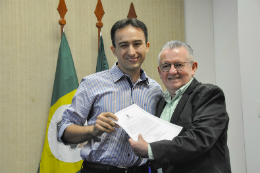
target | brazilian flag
x=57, y=157
x=102, y=63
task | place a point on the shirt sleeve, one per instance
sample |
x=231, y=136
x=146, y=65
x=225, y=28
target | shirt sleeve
x=79, y=109
x=150, y=153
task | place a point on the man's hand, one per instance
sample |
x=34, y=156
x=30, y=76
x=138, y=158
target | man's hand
x=104, y=124
x=140, y=147
x=75, y=134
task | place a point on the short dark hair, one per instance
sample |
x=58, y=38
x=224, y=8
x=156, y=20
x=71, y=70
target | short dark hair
x=124, y=23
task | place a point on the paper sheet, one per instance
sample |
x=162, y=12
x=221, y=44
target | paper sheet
x=134, y=120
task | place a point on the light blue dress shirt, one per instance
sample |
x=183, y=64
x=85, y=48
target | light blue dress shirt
x=110, y=91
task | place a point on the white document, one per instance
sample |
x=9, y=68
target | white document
x=134, y=120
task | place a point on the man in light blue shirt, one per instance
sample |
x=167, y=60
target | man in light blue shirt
x=102, y=94
x=200, y=109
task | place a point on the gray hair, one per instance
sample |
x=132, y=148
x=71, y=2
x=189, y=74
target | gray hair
x=176, y=44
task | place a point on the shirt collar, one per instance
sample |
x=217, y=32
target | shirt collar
x=117, y=74
x=167, y=96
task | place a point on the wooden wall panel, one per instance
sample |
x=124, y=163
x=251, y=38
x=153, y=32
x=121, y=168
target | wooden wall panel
x=29, y=44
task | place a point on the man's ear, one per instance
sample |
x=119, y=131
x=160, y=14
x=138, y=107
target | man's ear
x=113, y=49
x=159, y=71
x=194, y=67
x=147, y=46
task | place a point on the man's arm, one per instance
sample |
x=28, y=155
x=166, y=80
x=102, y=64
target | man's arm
x=75, y=134
x=72, y=129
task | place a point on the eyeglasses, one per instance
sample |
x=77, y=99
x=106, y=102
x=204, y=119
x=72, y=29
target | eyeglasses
x=177, y=65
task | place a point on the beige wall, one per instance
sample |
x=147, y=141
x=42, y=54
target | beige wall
x=29, y=43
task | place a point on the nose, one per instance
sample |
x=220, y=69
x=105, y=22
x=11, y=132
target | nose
x=172, y=69
x=131, y=50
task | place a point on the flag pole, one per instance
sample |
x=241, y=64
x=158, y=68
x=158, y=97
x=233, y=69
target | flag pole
x=99, y=12
x=62, y=9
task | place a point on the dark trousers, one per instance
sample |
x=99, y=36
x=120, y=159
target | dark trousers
x=90, y=167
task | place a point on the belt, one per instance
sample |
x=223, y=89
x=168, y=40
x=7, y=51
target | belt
x=91, y=166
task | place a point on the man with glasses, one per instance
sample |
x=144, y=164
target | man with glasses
x=200, y=109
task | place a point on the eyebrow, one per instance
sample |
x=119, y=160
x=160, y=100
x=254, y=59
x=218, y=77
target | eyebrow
x=138, y=41
x=125, y=42
x=122, y=43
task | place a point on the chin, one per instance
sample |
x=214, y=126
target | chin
x=175, y=87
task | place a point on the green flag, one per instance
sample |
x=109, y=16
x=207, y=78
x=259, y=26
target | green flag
x=102, y=59
x=57, y=157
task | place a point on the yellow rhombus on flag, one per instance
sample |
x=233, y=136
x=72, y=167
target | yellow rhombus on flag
x=57, y=157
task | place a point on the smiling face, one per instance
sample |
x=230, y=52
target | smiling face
x=173, y=79
x=130, y=49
